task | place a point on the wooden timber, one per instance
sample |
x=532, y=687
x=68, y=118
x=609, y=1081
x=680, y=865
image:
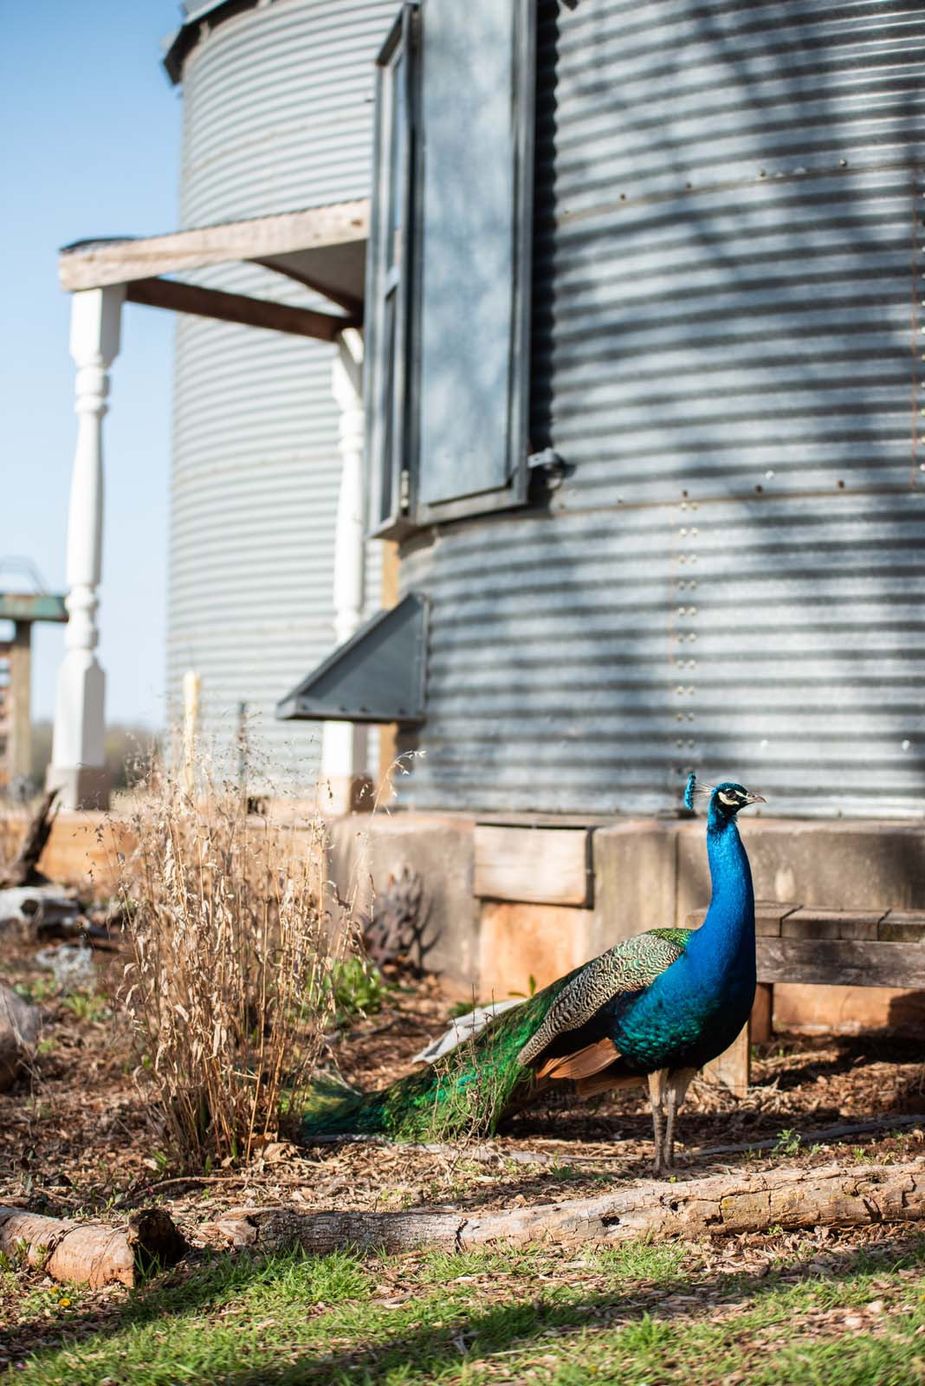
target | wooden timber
x=239, y=308
x=97, y=263
x=548, y=866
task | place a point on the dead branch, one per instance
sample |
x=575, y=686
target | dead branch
x=835, y=1195
x=24, y=869
x=92, y=1253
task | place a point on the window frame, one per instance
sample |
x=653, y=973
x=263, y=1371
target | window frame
x=392, y=441
x=389, y=431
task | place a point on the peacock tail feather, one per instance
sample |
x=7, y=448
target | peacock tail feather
x=466, y=1092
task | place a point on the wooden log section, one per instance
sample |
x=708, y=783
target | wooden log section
x=91, y=1253
x=833, y=1195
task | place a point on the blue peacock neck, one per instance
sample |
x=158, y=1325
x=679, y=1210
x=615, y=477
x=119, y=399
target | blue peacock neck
x=726, y=939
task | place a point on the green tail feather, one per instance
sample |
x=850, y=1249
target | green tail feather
x=465, y=1093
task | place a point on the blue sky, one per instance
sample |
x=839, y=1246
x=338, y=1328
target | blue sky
x=90, y=147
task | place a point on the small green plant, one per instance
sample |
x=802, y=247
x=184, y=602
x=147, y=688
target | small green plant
x=358, y=989
x=87, y=1005
x=37, y=991
x=788, y=1142
x=159, y=1161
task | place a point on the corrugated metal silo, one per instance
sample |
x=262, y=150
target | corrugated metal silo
x=727, y=357
x=277, y=115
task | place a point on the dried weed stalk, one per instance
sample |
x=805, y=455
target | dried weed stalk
x=232, y=944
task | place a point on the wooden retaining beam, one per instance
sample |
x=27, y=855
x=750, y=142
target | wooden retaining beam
x=821, y=947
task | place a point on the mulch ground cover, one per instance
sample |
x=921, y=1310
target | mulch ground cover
x=77, y=1140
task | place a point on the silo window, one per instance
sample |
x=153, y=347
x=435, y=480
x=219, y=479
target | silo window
x=449, y=263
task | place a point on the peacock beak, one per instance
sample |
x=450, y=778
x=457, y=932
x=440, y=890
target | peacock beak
x=751, y=798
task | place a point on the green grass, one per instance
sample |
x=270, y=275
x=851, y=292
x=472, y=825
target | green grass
x=636, y=1261
x=637, y=1314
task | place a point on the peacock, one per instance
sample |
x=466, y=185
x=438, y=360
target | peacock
x=654, y=1008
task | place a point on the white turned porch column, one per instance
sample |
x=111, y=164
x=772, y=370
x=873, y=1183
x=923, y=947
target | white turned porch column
x=344, y=744
x=77, y=761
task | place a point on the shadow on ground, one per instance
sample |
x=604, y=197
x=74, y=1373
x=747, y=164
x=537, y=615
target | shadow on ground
x=474, y=1334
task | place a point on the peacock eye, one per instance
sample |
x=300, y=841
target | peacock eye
x=731, y=800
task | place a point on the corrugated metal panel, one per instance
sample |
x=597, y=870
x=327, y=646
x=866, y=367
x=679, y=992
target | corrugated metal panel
x=276, y=117
x=727, y=358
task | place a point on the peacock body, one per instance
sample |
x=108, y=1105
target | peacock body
x=656, y=1007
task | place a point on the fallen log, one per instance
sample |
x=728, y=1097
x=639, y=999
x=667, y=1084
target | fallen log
x=91, y=1253
x=832, y=1196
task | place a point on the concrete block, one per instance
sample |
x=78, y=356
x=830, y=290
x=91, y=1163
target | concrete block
x=833, y=865
x=366, y=851
x=634, y=880
x=524, y=942
x=838, y=865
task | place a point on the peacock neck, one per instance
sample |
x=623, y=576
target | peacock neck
x=727, y=936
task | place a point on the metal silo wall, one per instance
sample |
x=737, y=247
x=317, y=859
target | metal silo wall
x=277, y=117
x=727, y=356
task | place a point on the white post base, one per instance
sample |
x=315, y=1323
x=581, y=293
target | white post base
x=344, y=789
x=78, y=762
x=87, y=787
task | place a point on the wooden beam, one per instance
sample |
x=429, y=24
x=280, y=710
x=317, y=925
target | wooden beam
x=251, y=312
x=841, y=962
x=97, y=263
x=349, y=303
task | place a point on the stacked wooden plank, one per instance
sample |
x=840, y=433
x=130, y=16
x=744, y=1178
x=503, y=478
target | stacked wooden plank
x=822, y=947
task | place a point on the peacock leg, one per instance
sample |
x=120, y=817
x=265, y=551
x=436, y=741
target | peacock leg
x=677, y=1085
x=656, y=1101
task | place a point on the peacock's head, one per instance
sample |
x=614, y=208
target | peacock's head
x=725, y=799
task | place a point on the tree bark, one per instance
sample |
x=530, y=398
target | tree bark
x=833, y=1195
x=92, y=1253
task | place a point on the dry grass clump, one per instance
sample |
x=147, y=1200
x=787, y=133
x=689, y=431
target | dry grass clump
x=233, y=942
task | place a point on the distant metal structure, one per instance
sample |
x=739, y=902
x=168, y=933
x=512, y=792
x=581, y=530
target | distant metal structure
x=277, y=117
x=22, y=609
x=725, y=567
